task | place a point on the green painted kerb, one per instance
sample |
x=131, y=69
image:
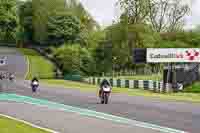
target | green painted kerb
x=84, y=112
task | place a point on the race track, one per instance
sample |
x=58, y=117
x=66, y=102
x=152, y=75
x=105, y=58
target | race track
x=15, y=62
x=64, y=122
x=177, y=115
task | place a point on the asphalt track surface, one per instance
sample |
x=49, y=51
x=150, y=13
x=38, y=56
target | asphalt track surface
x=177, y=115
x=15, y=62
x=66, y=122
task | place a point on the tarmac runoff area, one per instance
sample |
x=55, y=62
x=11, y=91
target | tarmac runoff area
x=67, y=119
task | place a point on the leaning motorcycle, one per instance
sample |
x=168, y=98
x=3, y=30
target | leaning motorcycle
x=106, y=90
x=34, y=86
x=11, y=78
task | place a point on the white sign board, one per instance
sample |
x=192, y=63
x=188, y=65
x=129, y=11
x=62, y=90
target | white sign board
x=166, y=55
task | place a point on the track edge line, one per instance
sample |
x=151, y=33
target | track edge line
x=28, y=123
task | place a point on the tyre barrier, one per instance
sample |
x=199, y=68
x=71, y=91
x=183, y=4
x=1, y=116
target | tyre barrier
x=155, y=86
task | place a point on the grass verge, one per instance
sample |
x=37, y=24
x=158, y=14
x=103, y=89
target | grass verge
x=38, y=65
x=185, y=97
x=195, y=88
x=11, y=126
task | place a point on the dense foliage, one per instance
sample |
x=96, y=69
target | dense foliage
x=73, y=59
x=8, y=20
x=63, y=28
x=25, y=32
x=81, y=46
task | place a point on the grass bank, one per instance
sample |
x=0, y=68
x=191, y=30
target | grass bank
x=12, y=126
x=186, y=97
x=38, y=65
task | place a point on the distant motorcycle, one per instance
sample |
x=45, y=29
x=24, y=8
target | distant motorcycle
x=106, y=90
x=11, y=78
x=34, y=86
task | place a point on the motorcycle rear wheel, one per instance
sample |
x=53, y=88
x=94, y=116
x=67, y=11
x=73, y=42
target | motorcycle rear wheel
x=33, y=89
x=106, y=99
x=102, y=101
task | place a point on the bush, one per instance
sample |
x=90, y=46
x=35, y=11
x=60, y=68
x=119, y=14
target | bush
x=72, y=58
x=182, y=39
x=73, y=77
x=194, y=88
x=173, y=44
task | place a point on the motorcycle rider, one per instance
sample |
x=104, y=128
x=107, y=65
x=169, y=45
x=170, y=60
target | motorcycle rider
x=11, y=76
x=103, y=83
x=35, y=79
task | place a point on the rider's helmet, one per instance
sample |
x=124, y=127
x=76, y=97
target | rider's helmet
x=35, y=79
x=11, y=75
x=105, y=82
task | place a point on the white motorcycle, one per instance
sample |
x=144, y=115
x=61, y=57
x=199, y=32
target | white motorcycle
x=12, y=78
x=106, y=90
x=34, y=86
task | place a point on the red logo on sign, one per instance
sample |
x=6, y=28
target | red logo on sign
x=192, y=55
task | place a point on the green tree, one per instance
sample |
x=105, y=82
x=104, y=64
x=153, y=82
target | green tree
x=42, y=10
x=91, y=39
x=137, y=10
x=86, y=19
x=163, y=15
x=125, y=37
x=103, y=57
x=167, y=15
x=8, y=20
x=89, y=27
x=72, y=58
x=68, y=58
x=63, y=27
x=26, y=21
x=87, y=64
x=180, y=39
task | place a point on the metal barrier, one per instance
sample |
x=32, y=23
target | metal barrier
x=155, y=86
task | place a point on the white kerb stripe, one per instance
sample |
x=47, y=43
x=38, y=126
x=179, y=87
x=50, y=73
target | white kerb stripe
x=123, y=83
x=151, y=85
x=141, y=84
x=114, y=82
x=157, y=85
x=90, y=80
x=131, y=84
x=96, y=81
x=161, y=86
x=87, y=80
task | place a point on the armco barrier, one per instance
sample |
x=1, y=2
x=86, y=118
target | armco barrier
x=156, y=86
